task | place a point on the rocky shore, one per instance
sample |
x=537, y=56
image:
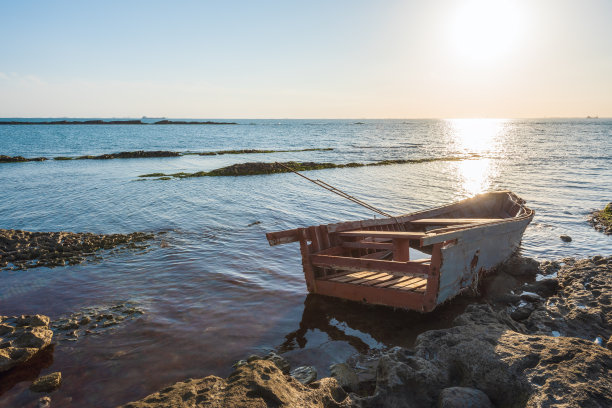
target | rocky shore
x=601, y=220
x=555, y=353
x=25, y=249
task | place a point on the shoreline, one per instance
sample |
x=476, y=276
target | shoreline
x=488, y=357
x=535, y=329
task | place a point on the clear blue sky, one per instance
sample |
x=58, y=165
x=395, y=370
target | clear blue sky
x=273, y=59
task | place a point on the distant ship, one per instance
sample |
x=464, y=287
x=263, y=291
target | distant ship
x=146, y=117
x=592, y=117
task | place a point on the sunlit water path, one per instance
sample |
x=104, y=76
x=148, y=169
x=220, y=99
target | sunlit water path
x=215, y=292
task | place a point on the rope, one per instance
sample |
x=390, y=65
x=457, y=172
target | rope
x=339, y=192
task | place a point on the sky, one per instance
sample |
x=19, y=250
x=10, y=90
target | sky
x=314, y=59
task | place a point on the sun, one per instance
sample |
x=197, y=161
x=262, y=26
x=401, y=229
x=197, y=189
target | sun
x=483, y=30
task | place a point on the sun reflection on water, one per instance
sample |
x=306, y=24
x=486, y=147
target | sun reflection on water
x=476, y=135
x=481, y=137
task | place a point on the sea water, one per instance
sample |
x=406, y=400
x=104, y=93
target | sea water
x=212, y=288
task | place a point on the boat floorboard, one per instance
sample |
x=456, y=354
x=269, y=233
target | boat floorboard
x=380, y=280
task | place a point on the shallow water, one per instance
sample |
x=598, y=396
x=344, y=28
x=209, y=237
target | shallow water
x=215, y=292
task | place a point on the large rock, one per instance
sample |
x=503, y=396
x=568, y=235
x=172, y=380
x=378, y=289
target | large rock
x=259, y=383
x=22, y=337
x=513, y=369
x=520, y=266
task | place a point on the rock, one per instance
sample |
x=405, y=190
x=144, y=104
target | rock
x=544, y=287
x=549, y=267
x=304, y=374
x=22, y=337
x=253, y=357
x=566, y=238
x=256, y=384
x=520, y=266
x=280, y=362
x=521, y=313
x=531, y=297
x=463, y=397
x=345, y=376
x=47, y=383
x=34, y=320
x=44, y=402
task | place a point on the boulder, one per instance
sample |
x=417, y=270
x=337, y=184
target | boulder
x=21, y=338
x=47, y=383
x=520, y=266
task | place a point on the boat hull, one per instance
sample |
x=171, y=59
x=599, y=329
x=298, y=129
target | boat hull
x=369, y=260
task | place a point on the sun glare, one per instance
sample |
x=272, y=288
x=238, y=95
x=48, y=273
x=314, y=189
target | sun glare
x=475, y=135
x=484, y=30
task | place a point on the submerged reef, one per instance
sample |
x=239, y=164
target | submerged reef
x=257, y=168
x=255, y=151
x=141, y=154
x=19, y=159
x=94, y=320
x=113, y=122
x=25, y=249
x=601, y=220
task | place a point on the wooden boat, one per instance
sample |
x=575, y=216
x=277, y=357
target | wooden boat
x=369, y=260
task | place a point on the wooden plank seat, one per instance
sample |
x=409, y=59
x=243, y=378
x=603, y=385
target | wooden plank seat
x=367, y=264
x=382, y=234
x=453, y=221
x=380, y=280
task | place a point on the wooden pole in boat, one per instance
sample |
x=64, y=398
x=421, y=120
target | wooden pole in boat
x=335, y=190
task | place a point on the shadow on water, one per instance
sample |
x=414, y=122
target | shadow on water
x=364, y=326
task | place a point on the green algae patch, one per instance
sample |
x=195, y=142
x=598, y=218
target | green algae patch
x=601, y=220
x=152, y=175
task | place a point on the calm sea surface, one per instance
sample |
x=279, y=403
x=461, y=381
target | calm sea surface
x=217, y=292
